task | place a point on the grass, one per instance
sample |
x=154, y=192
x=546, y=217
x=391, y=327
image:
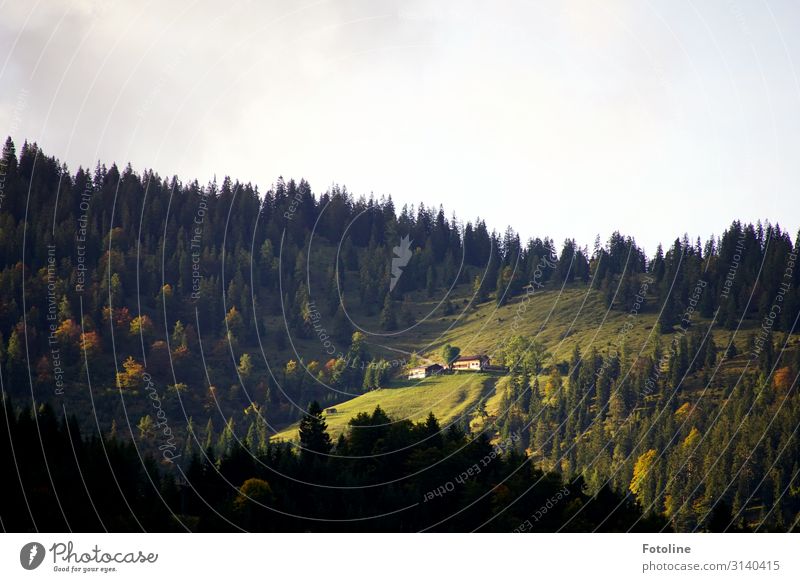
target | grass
x=449, y=397
x=557, y=318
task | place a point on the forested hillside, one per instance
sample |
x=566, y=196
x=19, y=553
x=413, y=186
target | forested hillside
x=190, y=323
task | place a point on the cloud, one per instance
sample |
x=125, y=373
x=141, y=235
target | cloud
x=632, y=112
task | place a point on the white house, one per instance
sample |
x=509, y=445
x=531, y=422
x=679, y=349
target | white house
x=424, y=371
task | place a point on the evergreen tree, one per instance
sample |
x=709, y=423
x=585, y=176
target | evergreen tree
x=314, y=437
x=388, y=319
x=711, y=353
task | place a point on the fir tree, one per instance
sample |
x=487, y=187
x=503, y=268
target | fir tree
x=314, y=437
x=388, y=319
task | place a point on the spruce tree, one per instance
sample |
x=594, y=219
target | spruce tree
x=314, y=437
x=711, y=353
x=388, y=317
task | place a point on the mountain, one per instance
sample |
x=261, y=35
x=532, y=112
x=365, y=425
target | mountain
x=194, y=325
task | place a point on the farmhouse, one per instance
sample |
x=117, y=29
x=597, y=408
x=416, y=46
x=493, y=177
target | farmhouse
x=424, y=371
x=470, y=363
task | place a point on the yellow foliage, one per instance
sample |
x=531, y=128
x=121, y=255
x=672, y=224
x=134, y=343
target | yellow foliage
x=253, y=491
x=68, y=332
x=234, y=321
x=682, y=411
x=90, y=343
x=132, y=376
x=640, y=470
x=141, y=324
x=553, y=385
x=669, y=505
x=691, y=439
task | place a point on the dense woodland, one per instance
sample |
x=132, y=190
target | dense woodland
x=120, y=289
x=383, y=477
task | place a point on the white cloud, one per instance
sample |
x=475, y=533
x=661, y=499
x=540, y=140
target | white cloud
x=558, y=119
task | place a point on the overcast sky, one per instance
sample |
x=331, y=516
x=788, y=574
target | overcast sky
x=558, y=118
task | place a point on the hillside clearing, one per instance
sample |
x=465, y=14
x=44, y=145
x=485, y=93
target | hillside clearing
x=449, y=397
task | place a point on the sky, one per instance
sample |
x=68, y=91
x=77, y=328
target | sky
x=558, y=118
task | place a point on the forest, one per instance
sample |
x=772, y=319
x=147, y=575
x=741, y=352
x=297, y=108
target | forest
x=155, y=335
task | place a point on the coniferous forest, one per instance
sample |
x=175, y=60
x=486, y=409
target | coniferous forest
x=178, y=356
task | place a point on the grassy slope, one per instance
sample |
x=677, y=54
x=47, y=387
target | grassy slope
x=449, y=397
x=548, y=314
x=557, y=318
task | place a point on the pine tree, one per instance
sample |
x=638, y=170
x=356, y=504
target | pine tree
x=479, y=291
x=666, y=319
x=189, y=441
x=502, y=290
x=209, y=432
x=711, y=353
x=314, y=437
x=766, y=356
x=179, y=337
x=407, y=315
x=245, y=367
x=430, y=282
x=731, y=351
x=341, y=330
x=680, y=363
x=226, y=439
x=388, y=319
x=369, y=377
